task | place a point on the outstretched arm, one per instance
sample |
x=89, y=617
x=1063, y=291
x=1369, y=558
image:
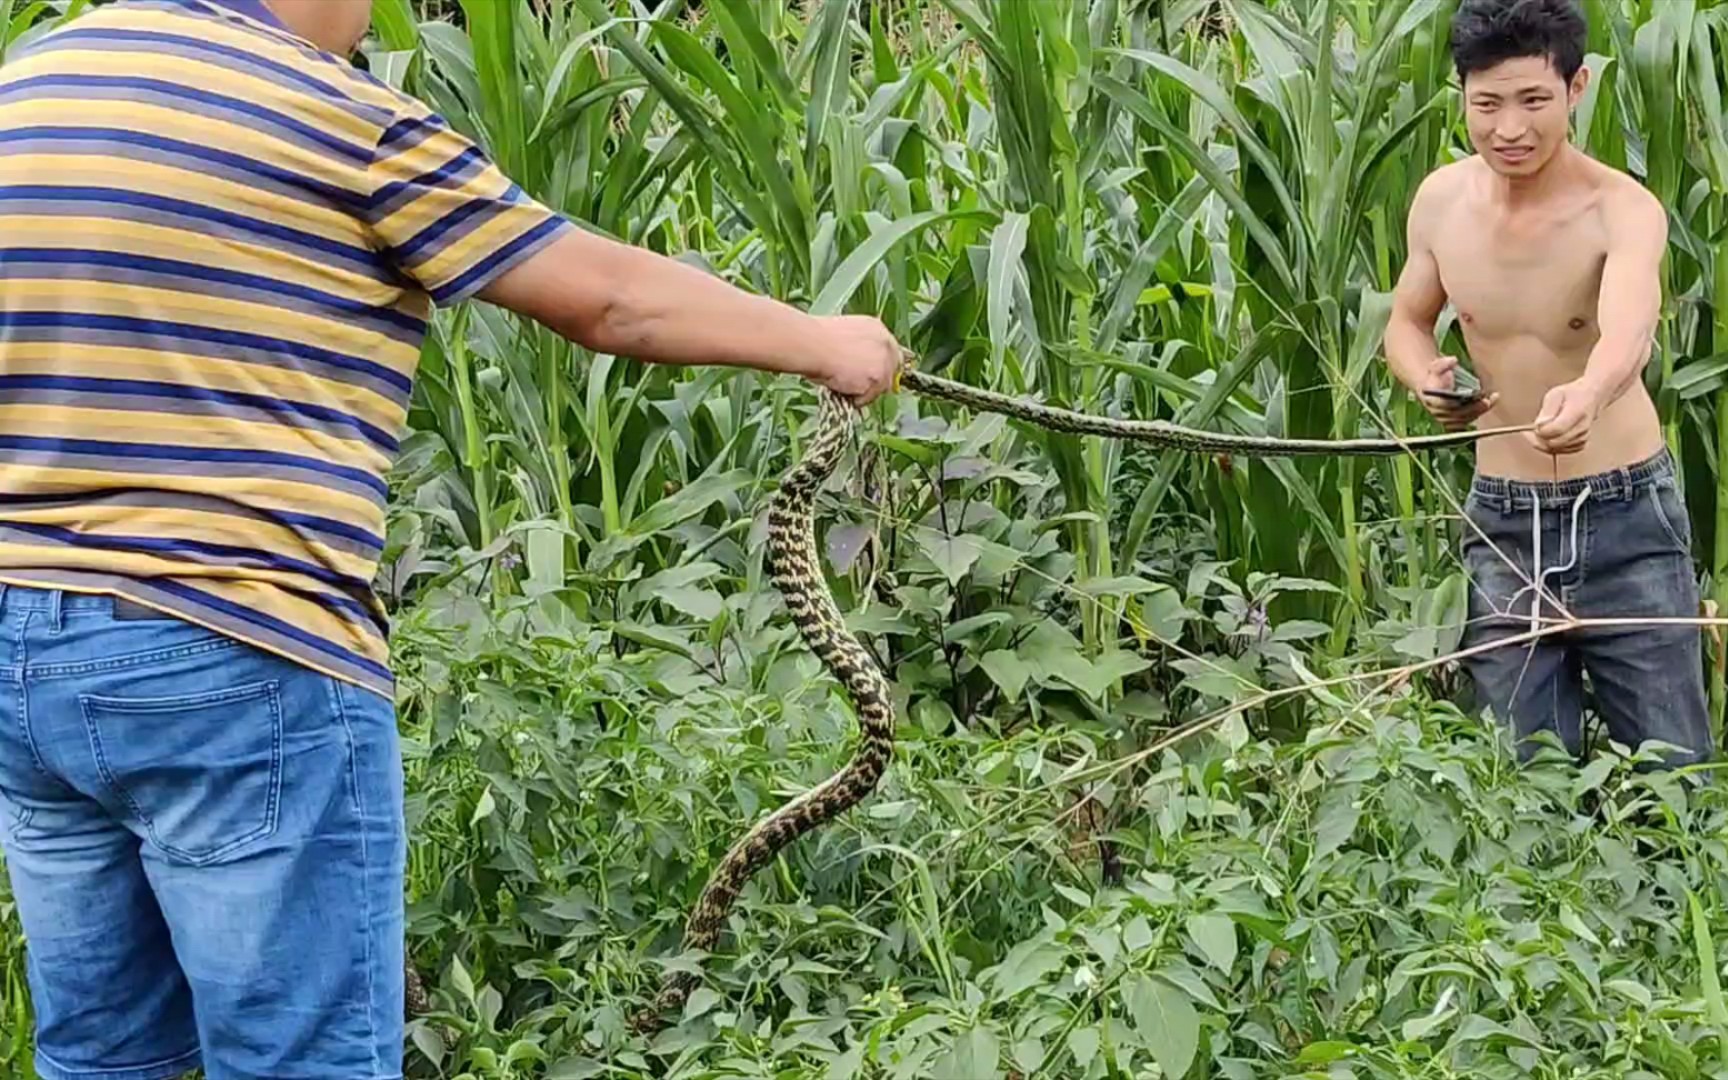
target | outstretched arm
x=1628, y=309
x=615, y=298
x=449, y=219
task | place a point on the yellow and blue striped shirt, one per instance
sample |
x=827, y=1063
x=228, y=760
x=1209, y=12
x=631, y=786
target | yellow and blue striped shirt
x=219, y=250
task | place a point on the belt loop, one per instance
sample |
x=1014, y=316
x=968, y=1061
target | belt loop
x=56, y=608
x=4, y=589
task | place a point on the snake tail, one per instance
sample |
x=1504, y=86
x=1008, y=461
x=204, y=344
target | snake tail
x=796, y=570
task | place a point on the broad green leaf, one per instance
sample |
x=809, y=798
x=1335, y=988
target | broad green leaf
x=965, y=628
x=692, y=112
x=1479, y=1028
x=1202, y=163
x=1007, y=671
x=491, y=26
x=483, y=808
x=1418, y=1027
x=1634, y=990
x=1706, y=78
x=1137, y=935
x=953, y=555
x=653, y=637
x=1006, y=245
x=1120, y=586
x=847, y=1065
x=738, y=25
x=700, y=1001
x=1028, y=964
x=1216, y=936
x=460, y=977
x=1701, y=377
x=701, y=604
x=1336, y=821
x=974, y=1053
x=1166, y=1022
x=1327, y=1051
x=1083, y=1044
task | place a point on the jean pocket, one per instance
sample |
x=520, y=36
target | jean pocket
x=1671, y=515
x=1480, y=523
x=202, y=772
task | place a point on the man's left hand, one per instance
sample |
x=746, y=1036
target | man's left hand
x=1568, y=412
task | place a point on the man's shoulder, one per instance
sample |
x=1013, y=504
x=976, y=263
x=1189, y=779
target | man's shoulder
x=1447, y=182
x=1439, y=192
x=1625, y=200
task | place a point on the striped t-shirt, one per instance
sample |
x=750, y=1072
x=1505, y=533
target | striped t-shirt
x=219, y=249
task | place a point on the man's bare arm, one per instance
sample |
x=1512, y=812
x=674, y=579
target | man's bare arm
x=1627, y=312
x=615, y=298
x=1416, y=302
x=1629, y=307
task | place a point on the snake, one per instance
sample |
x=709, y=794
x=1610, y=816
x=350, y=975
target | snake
x=795, y=571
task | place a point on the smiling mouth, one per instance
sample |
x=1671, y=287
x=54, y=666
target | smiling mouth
x=1513, y=153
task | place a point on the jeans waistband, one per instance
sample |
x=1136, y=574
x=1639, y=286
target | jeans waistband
x=1625, y=482
x=48, y=598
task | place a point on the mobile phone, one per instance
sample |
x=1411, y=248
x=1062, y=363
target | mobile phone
x=1458, y=397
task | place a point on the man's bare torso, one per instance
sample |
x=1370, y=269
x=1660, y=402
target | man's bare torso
x=1523, y=283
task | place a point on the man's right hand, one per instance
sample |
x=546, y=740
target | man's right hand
x=1451, y=415
x=855, y=356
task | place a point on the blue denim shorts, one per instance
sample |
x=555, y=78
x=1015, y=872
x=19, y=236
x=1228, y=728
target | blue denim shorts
x=1626, y=552
x=206, y=845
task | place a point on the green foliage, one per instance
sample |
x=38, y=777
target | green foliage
x=1157, y=808
x=1389, y=894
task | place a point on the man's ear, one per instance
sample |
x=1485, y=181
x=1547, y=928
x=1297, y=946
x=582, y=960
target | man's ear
x=1580, y=80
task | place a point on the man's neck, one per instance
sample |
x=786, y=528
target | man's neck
x=1521, y=193
x=315, y=20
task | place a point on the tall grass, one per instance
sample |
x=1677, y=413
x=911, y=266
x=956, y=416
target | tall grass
x=1189, y=209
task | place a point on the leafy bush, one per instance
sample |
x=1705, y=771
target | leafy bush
x=1166, y=801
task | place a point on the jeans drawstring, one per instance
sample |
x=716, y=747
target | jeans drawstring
x=1542, y=575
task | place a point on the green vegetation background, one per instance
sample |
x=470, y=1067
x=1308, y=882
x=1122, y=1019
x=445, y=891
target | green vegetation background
x=1153, y=813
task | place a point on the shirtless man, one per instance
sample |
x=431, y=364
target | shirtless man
x=1550, y=260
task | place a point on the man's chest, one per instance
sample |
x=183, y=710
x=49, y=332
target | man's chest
x=1537, y=281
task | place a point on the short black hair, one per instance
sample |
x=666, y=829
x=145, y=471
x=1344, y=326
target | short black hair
x=1488, y=32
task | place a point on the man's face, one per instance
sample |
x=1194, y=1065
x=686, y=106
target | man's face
x=1519, y=112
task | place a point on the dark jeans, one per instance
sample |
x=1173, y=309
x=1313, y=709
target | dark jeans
x=1632, y=560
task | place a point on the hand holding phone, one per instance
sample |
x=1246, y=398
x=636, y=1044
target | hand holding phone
x=1452, y=407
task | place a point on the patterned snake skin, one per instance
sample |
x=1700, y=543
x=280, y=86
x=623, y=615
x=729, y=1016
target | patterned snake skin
x=797, y=573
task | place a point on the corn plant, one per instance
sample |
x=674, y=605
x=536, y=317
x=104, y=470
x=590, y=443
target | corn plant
x=1129, y=826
